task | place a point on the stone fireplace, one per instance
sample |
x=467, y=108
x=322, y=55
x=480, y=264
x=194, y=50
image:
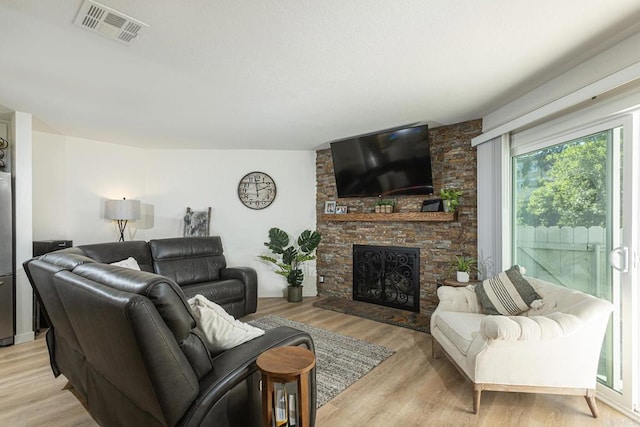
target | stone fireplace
x=387, y=275
x=453, y=162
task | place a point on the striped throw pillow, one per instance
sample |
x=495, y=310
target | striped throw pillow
x=506, y=293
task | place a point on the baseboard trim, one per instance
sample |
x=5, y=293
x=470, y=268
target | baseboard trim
x=23, y=338
x=635, y=416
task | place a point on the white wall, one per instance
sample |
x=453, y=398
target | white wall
x=96, y=173
x=73, y=177
x=22, y=173
x=49, y=187
x=202, y=178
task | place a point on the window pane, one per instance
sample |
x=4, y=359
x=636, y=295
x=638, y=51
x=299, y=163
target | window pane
x=563, y=219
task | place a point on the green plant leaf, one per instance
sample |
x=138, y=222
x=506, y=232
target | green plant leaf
x=308, y=240
x=278, y=240
x=305, y=257
x=268, y=258
x=289, y=255
x=295, y=277
x=463, y=263
x=450, y=193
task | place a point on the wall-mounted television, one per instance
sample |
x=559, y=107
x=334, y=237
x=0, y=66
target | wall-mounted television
x=390, y=162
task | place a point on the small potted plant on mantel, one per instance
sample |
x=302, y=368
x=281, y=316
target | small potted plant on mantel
x=384, y=206
x=289, y=259
x=463, y=266
x=450, y=198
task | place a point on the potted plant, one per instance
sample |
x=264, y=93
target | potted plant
x=384, y=206
x=450, y=198
x=289, y=258
x=463, y=266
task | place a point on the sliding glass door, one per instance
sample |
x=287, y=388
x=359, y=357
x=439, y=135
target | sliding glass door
x=575, y=223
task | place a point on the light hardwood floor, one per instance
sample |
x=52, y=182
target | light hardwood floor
x=408, y=389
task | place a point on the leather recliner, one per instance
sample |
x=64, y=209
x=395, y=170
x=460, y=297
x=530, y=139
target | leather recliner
x=126, y=341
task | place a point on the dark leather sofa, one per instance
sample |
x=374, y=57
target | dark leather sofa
x=126, y=339
x=196, y=264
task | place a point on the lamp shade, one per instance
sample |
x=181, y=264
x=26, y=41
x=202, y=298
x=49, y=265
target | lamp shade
x=122, y=209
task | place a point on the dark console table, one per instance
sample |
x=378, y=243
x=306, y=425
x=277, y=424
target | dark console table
x=41, y=247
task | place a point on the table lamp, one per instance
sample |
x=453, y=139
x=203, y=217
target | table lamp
x=122, y=211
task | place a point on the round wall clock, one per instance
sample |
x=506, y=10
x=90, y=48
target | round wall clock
x=257, y=190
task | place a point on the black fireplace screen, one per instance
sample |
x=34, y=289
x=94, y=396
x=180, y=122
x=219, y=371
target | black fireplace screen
x=387, y=275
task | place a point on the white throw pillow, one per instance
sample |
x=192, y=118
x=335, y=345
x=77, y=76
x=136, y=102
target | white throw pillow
x=128, y=263
x=221, y=331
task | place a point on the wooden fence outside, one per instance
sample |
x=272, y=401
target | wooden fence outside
x=575, y=257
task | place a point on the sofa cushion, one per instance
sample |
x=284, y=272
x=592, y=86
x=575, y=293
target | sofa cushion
x=220, y=291
x=506, y=293
x=117, y=251
x=165, y=295
x=188, y=260
x=66, y=259
x=523, y=328
x=221, y=331
x=459, y=327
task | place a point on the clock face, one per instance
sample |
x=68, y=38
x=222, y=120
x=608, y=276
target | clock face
x=257, y=190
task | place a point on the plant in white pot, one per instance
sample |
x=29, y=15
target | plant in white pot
x=463, y=266
x=288, y=259
x=450, y=198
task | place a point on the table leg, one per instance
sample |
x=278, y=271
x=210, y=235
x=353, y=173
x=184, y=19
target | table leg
x=267, y=401
x=303, y=399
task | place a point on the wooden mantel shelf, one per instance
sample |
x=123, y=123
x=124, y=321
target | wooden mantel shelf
x=391, y=217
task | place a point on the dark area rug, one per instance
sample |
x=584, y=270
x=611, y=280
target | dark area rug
x=340, y=360
x=392, y=316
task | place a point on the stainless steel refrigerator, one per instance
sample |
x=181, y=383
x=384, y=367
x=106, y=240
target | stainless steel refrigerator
x=7, y=305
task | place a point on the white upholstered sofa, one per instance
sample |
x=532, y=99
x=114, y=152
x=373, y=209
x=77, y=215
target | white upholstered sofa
x=553, y=348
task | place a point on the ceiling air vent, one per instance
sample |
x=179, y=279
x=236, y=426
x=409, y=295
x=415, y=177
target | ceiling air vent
x=109, y=23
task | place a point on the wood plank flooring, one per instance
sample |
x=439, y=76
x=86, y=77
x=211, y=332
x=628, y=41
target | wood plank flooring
x=408, y=389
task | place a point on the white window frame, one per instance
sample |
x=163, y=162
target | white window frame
x=622, y=110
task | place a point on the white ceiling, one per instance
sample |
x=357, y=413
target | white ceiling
x=288, y=74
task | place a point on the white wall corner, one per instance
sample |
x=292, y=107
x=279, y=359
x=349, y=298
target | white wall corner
x=21, y=135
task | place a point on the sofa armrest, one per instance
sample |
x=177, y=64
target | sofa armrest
x=522, y=328
x=526, y=351
x=458, y=299
x=249, y=277
x=235, y=371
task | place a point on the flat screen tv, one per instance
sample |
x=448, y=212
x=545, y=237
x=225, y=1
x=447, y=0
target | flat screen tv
x=391, y=162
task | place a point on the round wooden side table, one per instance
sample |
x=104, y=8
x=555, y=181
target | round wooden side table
x=284, y=365
x=455, y=283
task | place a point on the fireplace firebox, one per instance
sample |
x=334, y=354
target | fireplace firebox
x=387, y=275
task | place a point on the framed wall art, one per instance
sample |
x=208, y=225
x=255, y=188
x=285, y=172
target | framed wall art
x=341, y=209
x=196, y=223
x=330, y=207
